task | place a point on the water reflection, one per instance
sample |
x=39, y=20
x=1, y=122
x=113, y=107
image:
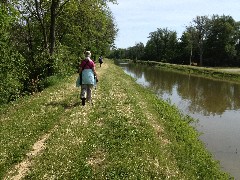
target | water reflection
x=205, y=96
x=215, y=103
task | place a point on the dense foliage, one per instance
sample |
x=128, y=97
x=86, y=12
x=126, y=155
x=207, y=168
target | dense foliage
x=41, y=38
x=207, y=41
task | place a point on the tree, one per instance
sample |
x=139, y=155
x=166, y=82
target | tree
x=201, y=24
x=222, y=39
x=162, y=45
x=188, y=43
x=48, y=37
x=136, y=52
x=12, y=64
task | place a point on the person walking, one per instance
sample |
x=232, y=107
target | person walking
x=89, y=78
x=100, y=60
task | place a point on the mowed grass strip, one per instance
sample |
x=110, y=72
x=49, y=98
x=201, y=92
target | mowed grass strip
x=127, y=134
x=22, y=123
x=111, y=139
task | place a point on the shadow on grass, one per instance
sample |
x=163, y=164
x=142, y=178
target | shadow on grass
x=65, y=105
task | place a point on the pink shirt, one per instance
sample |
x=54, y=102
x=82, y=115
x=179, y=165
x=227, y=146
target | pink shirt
x=87, y=64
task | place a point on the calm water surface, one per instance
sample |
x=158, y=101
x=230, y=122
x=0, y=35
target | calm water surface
x=216, y=104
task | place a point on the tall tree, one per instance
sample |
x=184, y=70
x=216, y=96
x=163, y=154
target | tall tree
x=222, y=39
x=56, y=8
x=190, y=36
x=162, y=45
x=201, y=24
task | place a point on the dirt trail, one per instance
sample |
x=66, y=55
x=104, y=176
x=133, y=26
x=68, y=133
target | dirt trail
x=20, y=170
x=119, y=94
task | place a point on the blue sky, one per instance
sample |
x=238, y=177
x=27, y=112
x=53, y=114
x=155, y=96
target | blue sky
x=135, y=19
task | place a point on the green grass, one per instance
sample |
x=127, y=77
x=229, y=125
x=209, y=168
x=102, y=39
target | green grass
x=127, y=134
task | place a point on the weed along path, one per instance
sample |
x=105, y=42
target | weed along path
x=128, y=133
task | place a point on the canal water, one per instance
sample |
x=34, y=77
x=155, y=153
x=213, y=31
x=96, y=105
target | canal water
x=215, y=104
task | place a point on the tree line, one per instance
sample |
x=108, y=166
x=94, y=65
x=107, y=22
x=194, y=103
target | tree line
x=207, y=41
x=42, y=38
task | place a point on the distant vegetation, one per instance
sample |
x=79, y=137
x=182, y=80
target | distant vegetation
x=39, y=39
x=207, y=41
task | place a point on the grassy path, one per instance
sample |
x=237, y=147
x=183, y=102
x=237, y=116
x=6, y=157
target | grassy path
x=127, y=134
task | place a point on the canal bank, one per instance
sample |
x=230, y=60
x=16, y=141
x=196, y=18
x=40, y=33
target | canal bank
x=214, y=102
x=227, y=74
x=128, y=133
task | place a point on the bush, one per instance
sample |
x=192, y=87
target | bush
x=13, y=74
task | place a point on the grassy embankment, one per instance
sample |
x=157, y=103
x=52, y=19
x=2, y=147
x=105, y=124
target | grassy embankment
x=228, y=74
x=127, y=134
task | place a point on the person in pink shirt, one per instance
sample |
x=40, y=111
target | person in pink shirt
x=89, y=77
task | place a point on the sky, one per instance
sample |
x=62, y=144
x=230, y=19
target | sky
x=135, y=19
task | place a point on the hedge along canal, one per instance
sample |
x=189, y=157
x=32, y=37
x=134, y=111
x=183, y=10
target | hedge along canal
x=127, y=134
x=214, y=103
